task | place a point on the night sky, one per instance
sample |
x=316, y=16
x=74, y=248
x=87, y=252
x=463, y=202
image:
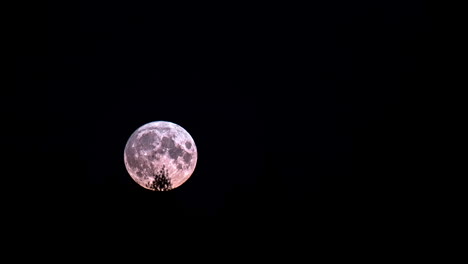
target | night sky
x=294, y=110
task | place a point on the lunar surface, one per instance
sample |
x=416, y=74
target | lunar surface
x=160, y=156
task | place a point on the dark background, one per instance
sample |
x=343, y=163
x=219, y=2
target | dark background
x=299, y=113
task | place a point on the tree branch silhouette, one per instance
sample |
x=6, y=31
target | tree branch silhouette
x=161, y=180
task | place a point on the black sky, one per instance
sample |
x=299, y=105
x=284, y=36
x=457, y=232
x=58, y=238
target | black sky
x=293, y=109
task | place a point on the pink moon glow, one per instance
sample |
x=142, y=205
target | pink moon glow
x=160, y=156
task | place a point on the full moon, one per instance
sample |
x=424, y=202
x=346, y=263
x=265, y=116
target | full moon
x=160, y=156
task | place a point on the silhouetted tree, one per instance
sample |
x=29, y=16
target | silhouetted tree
x=161, y=180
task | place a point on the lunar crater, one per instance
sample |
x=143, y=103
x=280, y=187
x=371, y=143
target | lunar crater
x=167, y=142
x=187, y=158
x=188, y=145
x=176, y=152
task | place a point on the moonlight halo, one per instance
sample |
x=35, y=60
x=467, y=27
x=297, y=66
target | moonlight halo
x=160, y=156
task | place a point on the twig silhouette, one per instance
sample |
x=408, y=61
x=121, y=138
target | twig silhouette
x=161, y=180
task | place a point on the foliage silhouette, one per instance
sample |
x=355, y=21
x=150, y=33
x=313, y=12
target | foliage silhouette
x=161, y=180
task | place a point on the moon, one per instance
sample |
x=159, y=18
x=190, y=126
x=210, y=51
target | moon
x=160, y=156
